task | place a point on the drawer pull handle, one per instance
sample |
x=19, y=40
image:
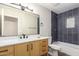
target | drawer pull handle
x=43, y=41
x=43, y=46
x=31, y=46
x=27, y=47
x=43, y=50
x=3, y=51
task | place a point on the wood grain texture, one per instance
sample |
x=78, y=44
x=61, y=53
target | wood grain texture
x=33, y=48
x=7, y=51
x=43, y=44
x=22, y=49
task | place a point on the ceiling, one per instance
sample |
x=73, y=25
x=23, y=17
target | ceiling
x=59, y=7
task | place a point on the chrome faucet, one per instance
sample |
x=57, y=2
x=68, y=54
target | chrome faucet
x=23, y=36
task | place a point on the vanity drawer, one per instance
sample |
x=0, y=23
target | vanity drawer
x=44, y=42
x=44, y=50
x=43, y=46
x=7, y=51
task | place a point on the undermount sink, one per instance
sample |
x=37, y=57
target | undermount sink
x=17, y=39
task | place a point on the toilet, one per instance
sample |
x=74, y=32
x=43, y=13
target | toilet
x=52, y=48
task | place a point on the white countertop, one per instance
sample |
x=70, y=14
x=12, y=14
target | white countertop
x=15, y=40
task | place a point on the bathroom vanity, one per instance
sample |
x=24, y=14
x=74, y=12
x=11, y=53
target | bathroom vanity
x=25, y=47
x=15, y=22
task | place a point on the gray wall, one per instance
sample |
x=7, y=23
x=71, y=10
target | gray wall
x=70, y=35
x=54, y=26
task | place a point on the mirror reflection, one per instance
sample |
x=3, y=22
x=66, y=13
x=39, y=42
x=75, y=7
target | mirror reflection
x=14, y=21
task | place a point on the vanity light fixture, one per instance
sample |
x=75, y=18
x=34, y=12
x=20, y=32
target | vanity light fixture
x=23, y=7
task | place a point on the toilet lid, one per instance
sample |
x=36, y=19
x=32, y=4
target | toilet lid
x=55, y=47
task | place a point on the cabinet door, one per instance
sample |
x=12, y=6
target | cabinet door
x=7, y=51
x=34, y=48
x=22, y=49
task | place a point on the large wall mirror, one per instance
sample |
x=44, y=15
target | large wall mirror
x=14, y=22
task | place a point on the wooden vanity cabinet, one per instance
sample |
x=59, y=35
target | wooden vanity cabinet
x=33, y=48
x=39, y=48
x=27, y=49
x=43, y=47
x=22, y=49
x=7, y=51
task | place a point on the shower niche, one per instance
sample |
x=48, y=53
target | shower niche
x=8, y=26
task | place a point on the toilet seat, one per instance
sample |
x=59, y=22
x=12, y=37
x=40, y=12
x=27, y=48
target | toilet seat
x=54, y=47
x=53, y=50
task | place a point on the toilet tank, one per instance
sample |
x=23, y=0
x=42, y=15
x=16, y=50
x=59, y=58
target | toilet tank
x=49, y=40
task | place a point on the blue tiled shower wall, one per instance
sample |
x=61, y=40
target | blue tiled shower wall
x=54, y=26
x=70, y=35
